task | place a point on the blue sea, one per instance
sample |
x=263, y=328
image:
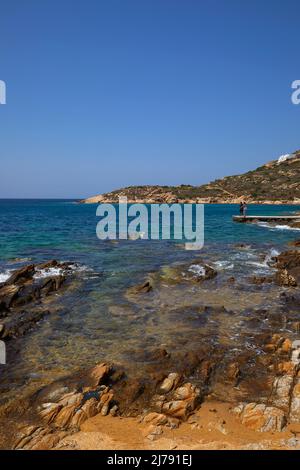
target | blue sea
x=96, y=320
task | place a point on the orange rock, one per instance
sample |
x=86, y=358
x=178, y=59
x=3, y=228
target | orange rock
x=155, y=418
x=287, y=367
x=286, y=346
x=71, y=399
x=260, y=417
x=50, y=411
x=64, y=416
x=296, y=391
x=98, y=373
x=78, y=418
x=270, y=348
x=90, y=407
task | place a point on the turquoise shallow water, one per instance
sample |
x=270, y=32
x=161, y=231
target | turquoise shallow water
x=96, y=321
x=42, y=229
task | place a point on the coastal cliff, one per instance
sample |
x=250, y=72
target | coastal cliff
x=276, y=182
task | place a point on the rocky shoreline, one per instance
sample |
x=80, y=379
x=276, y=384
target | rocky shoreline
x=25, y=297
x=260, y=383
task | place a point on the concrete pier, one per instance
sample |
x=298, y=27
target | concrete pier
x=266, y=218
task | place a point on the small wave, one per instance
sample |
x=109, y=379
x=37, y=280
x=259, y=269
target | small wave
x=277, y=227
x=57, y=271
x=197, y=269
x=265, y=265
x=4, y=276
x=258, y=264
x=286, y=227
x=264, y=224
x=42, y=273
x=223, y=264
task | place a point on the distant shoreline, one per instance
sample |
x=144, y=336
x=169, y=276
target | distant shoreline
x=190, y=201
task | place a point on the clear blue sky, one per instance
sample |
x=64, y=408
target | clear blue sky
x=104, y=94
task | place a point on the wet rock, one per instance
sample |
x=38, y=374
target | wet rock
x=51, y=284
x=22, y=297
x=260, y=417
x=275, y=342
x=259, y=280
x=47, y=264
x=17, y=326
x=242, y=246
x=296, y=327
x=284, y=278
x=288, y=264
x=8, y=293
x=209, y=273
x=288, y=260
x=21, y=275
x=141, y=288
x=233, y=372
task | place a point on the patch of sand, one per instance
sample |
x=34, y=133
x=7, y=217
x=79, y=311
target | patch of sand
x=213, y=426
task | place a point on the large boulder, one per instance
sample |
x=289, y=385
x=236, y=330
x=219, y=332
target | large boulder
x=21, y=275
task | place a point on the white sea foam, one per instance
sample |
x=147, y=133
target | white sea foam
x=264, y=266
x=197, y=269
x=286, y=227
x=5, y=275
x=277, y=227
x=42, y=273
x=223, y=264
x=57, y=271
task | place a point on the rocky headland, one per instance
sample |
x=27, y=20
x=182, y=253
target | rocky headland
x=276, y=182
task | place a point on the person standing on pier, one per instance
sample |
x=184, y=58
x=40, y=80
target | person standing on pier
x=245, y=209
x=241, y=208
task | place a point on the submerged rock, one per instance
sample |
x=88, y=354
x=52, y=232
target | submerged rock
x=141, y=288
